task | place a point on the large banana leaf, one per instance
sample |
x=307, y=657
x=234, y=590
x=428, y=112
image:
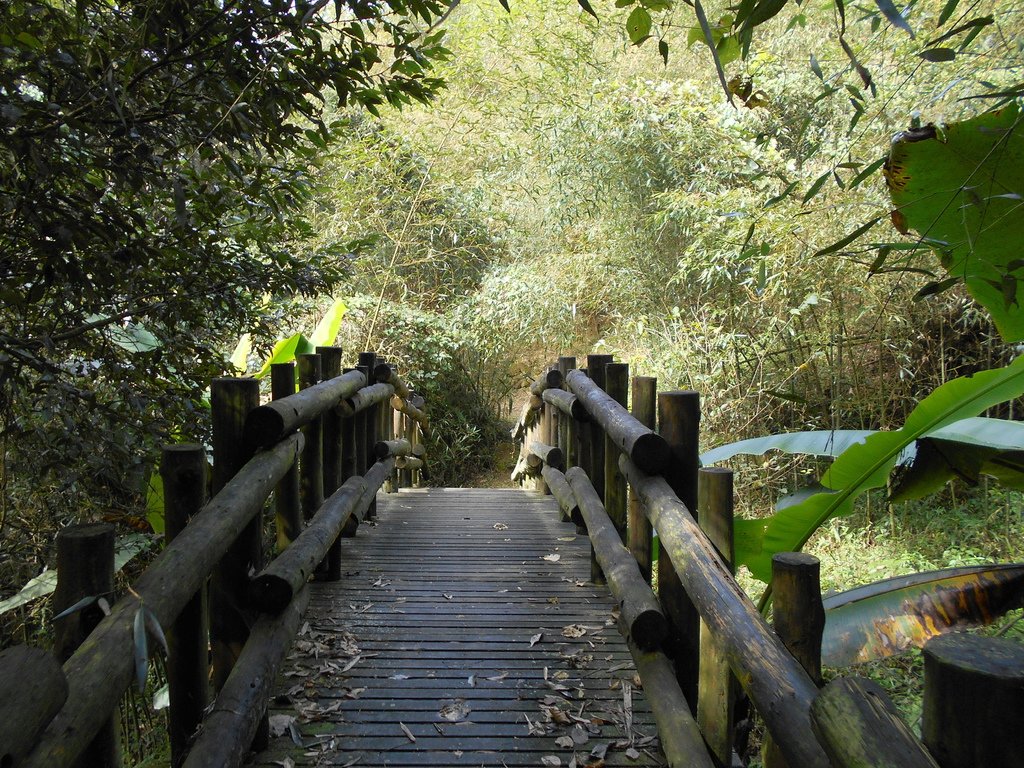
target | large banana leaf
x=885, y=618
x=961, y=187
x=327, y=329
x=966, y=449
x=285, y=350
x=867, y=465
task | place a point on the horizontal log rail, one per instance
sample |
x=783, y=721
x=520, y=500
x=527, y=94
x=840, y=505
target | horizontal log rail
x=847, y=723
x=337, y=426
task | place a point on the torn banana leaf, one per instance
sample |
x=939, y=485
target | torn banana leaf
x=960, y=187
x=883, y=619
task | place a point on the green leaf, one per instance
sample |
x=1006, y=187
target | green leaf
x=956, y=189
x=816, y=187
x=85, y=602
x=840, y=244
x=284, y=351
x=663, y=50
x=154, y=628
x=814, y=443
x=867, y=465
x=585, y=5
x=883, y=619
x=240, y=356
x=947, y=11
x=816, y=68
x=709, y=39
x=938, y=54
x=155, y=502
x=866, y=172
x=327, y=329
x=638, y=25
x=892, y=13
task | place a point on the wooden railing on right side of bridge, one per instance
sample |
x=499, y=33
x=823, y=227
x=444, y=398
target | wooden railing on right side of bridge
x=701, y=635
x=229, y=614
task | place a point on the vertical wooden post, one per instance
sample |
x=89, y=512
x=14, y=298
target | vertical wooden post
x=617, y=387
x=286, y=496
x=799, y=620
x=566, y=437
x=973, y=701
x=369, y=360
x=350, y=442
x=679, y=424
x=582, y=445
x=85, y=568
x=362, y=455
x=230, y=402
x=548, y=436
x=330, y=361
x=311, y=460
x=595, y=369
x=417, y=437
x=715, y=695
x=405, y=475
x=645, y=396
x=183, y=471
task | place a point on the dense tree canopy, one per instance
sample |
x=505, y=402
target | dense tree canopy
x=153, y=158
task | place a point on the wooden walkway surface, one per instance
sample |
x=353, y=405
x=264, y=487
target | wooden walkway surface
x=464, y=632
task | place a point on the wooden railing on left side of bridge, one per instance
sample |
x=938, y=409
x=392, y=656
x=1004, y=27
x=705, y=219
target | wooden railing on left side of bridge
x=229, y=614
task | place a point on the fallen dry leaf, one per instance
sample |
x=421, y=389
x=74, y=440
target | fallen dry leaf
x=279, y=724
x=632, y=754
x=454, y=710
x=550, y=760
x=552, y=558
x=536, y=639
x=500, y=527
x=399, y=677
x=407, y=732
x=446, y=596
x=497, y=678
x=471, y=680
x=286, y=763
x=567, y=538
x=565, y=742
x=574, y=630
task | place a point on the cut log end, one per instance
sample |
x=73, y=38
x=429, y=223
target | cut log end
x=651, y=453
x=263, y=426
x=269, y=594
x=649, y=630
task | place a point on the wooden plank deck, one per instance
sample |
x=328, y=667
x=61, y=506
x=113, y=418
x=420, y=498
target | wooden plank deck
x=432, y=635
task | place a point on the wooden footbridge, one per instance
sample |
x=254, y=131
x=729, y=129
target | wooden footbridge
x=400, y=625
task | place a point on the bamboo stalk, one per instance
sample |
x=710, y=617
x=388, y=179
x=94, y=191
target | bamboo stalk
x=409, y=462
x=287, y=507
x=102, y=669
x=368, y=397
x=566, y=402
x=549, y=379
x=645, y=395
x=385, y=448
x=617, y=388
x=540, y=453
x=385, y=374
x=779, y=687
x=639, y=610
x=268, y=423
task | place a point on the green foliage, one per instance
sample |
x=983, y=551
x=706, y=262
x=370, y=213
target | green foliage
x=960, y=187
x=154, y=161
x=867, y=465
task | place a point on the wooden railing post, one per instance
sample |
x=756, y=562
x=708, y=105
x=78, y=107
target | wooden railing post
x=973, y=700
x=645, y=397
x=679, y=424
x=799, y=620
x=405, y=431
x=596, y=371
x=617, y=387
x=332, y=435
x=311, y=462
x=351, y=440
x=566, y=428
x=85, y=568
x=230, y=402
x=183, y=471
x=716, y=692
x=368, y=360
x=363, y=448
x=286, y=496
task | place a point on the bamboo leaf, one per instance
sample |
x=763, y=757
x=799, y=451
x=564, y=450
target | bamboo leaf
x=816, y=187
x=860, y=177
x=585, y=5
x=885, y=618
x=840, y=244
x=947, y=11
x=709, y=39
x=154, y=628
x=892, y=13
x=938, y=54
x=85, y=602
x=815, y=443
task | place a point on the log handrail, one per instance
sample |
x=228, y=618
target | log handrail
x=102, y=669
x=808, y=726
